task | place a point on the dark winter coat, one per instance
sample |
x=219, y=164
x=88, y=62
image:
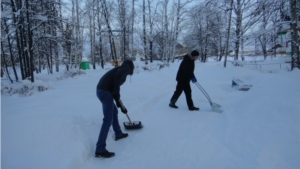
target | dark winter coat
x=186, y=69
x=113, y=79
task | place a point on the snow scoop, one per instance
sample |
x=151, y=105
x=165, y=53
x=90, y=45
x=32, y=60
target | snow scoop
x=131, y=124
x=214, y=106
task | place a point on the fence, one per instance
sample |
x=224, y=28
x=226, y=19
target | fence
x=269, y=66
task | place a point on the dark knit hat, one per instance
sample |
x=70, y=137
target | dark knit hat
x=195, y=53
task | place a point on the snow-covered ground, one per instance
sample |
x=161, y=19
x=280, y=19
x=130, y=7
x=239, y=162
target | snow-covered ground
x=58, y=128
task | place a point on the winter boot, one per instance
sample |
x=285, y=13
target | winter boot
x=124, y=135
x=104, y=154
x=194, y=108
x=172, y=104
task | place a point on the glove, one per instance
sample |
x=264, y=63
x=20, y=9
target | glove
x=193, y=79
x=123, y=109
x=117, y=99
x=119, y=103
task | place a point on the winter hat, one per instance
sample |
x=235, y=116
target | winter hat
x=129, y=63
x=195, y=53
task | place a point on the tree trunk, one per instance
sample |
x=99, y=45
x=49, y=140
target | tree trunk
x=176, y=30
x=5, y=64
x=123, y=15
x=151, y=32
x=132, y=27
x=111, y=40
x=242, y=46
x=30, y=49
x=100, y=36
x=238, y=29
x=228, y=33
x=144, y=32
x=18, y=39
x=166, y=34
x=294, y=34
x=10, y=48
x=264, y=38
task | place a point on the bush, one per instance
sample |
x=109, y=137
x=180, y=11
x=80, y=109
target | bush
x=71, y=73
x=24, y=88
x=155, y=66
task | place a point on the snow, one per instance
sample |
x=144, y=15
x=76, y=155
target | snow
x=26, y=83
x=58, y=128
x=84, y=59
x=38, y=83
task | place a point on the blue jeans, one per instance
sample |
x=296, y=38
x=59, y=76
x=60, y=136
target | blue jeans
x=110, y=113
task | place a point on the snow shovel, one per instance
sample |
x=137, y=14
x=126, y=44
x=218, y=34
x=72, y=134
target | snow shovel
x=214, y=106
x=131, y=124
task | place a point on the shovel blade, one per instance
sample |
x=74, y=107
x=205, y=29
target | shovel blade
x=215, y=109
x=215, y=105
x=133, y=125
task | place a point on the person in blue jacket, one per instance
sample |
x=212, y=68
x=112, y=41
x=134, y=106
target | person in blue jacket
x=185, y=74
x=108, y=90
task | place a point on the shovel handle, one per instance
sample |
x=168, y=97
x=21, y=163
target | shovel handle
x=121, y=103
x=128, y=118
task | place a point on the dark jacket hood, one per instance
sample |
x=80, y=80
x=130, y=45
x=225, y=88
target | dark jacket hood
x=129, y=63
x=188, y=57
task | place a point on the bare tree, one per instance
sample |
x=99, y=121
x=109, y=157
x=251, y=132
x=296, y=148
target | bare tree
x=179, y=14
x=122, y=21
x=245, y=18
x=207, y=31
x=265, y=10
x=111, y=40
x=152, y=12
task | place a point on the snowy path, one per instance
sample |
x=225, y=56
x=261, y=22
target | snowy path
x=165, y=130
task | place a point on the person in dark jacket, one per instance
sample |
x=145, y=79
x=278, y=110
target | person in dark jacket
x=108, y=90
x=185, y=74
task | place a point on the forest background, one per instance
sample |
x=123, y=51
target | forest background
x=43, y=35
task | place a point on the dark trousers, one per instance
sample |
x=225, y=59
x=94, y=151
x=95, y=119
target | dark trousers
x=110, y=113
x=186, y=87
